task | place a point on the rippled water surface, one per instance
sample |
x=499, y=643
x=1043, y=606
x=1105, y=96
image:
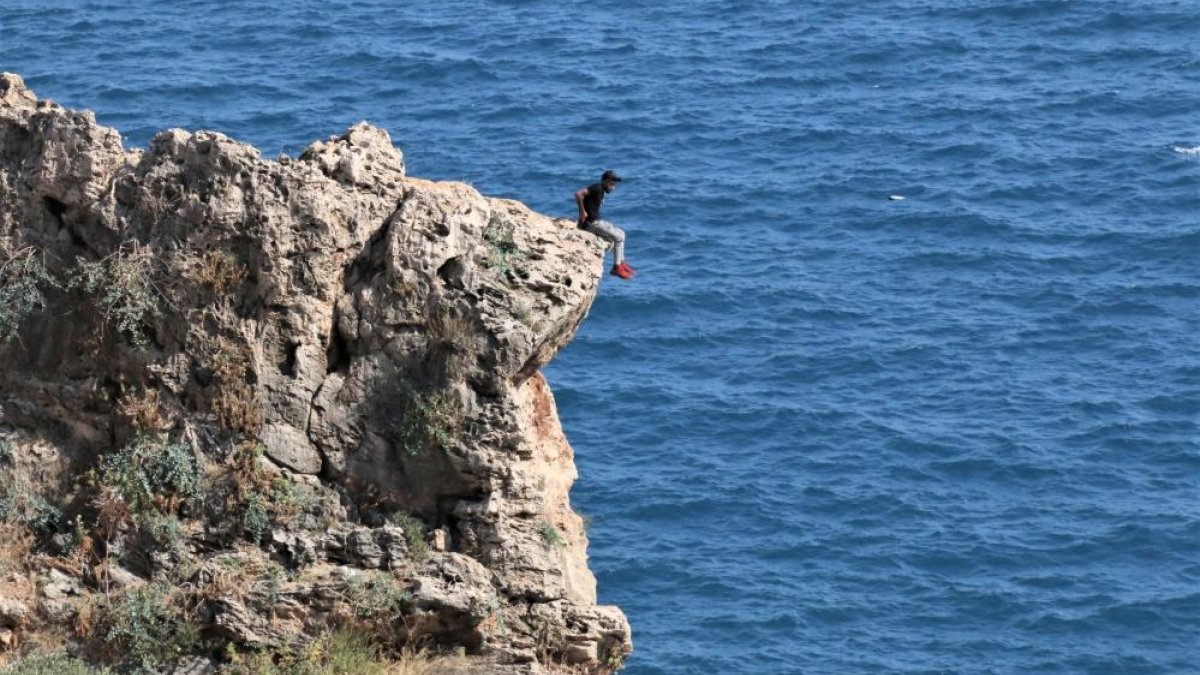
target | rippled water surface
x=822, y=431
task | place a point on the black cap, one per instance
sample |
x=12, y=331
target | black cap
x=611, y=175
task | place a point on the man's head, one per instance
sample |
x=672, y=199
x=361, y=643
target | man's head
x=609, y=180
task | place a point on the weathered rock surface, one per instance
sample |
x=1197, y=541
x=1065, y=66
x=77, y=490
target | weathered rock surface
x=381, y=336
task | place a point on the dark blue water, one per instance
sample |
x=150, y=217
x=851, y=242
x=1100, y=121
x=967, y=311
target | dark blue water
x=822, y=431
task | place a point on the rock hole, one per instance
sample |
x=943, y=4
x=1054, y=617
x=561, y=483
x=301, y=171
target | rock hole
x=288, y=367
x=451, y=273
x=337, y=355
x=110, y=389
x=56, y=209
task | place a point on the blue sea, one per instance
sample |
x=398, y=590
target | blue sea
x=822, y=431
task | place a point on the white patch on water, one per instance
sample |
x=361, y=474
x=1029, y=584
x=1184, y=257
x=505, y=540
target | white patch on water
x=1190, y=152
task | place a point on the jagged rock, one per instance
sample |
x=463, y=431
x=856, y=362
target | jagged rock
x=13, y=91
x=455, y=582
x=393, y=542
x=233, y=621
x=58, y=586
x=362, y=156
x=13, y=613
x=118, y=577
x=379, y=334
x=59, y=593
x=297, y=548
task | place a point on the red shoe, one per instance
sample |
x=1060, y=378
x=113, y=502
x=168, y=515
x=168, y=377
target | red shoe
x=623, y=270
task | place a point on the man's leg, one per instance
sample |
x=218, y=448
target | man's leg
x=606, y=230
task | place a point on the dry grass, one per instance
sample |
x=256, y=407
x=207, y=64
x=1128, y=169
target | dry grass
x=413, y=661
x=347, y=651
x=16, y=545
x=447, y=331
x=143, y=411
x=235, y=577
x=18, y=582
x=87, y=618
x=235, y=402
x=218, y=271
x=451, y=339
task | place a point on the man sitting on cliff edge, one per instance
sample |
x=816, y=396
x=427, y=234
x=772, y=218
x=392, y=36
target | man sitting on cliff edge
x=589, y=200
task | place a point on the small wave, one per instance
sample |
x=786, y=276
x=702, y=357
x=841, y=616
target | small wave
x=1187, y=152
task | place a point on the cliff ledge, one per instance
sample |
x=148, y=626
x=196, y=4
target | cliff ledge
x=248, y=404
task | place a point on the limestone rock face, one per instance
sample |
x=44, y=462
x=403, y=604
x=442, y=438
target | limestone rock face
x=379, y=335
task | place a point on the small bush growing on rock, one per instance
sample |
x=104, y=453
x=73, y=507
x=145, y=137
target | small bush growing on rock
x=21, y=505
x=124, y=290
x=449, y=332
x=550, y=534
x=235, y=402
x=295, y=505
x=218, y=271
x=414, y=534
x=152, y=475
x=167, y=532
x=236, y=576
x=523, y=313
x=431, y=420
x=286, y=504
x=16, y=543
x=247, y=500
x=376, y=597
x=450, y=338
x=256, y=519
x=23, y=280
x=346, y=651
x=144, y=626
x=143, y=411
x=51, y=664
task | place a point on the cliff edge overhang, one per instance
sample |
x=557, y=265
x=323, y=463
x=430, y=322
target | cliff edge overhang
x=347, y=358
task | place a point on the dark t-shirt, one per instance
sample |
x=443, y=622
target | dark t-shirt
x=592, y=201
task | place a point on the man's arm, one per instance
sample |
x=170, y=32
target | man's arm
x=579, y=195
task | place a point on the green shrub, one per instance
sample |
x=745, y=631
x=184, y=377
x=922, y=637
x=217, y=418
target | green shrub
x=285, y=503
x=551, y=534
x=256, y=519
x=23, y=280
x=20, y=504
x=124, y=289
x=296, y=505
x=345, y=651
x=375, y=596
x=350, y=652
x=431, y=420
x=51, y=664
x=414, y=534
x=151, y=475
x=145, y=627
x=166, y=530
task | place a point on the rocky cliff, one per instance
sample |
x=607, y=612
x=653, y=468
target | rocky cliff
x=264, y=400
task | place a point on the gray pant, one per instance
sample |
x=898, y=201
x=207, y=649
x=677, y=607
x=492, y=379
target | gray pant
x=609, y=232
